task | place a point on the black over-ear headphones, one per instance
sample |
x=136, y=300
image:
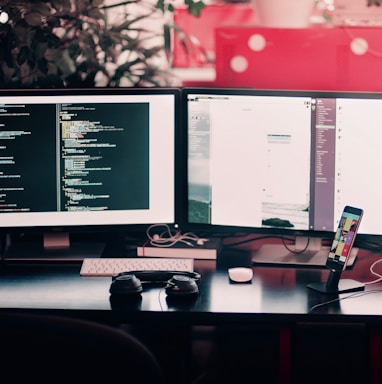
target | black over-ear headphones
x=177, y=283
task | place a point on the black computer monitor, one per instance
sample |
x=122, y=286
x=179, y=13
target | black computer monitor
x=280, y=162
x=86, y=159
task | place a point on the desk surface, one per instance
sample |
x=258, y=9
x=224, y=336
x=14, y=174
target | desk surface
x=275, y=294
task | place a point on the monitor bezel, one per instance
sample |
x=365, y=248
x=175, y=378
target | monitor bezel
x=261, y=232
x=89, y=229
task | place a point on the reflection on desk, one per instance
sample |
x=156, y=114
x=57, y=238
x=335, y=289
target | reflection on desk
x=273, y=291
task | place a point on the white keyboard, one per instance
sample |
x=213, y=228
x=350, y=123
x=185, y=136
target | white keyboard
x=108, y=266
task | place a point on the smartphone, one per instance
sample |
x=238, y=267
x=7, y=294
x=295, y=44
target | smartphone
x=344, y=238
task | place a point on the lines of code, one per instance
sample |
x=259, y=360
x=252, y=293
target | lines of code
x=74, y=157
x=105, y=153
x=27, y=157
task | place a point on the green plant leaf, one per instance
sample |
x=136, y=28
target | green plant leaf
x=161, y=4
x=23, y=55
x=194, y=7
x=33, y=18
x=41, y=7
x=167, y=40
x=48, y=43
x=62, y=6
x=42, y=65
x=377, y=3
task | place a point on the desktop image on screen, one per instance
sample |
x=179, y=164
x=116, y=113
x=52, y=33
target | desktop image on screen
x=281, y=162
x=76, y=159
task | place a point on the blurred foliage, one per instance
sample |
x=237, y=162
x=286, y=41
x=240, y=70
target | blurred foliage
x=77, y=43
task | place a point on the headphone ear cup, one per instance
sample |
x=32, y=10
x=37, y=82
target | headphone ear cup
x=180, y=285
x=126, y=284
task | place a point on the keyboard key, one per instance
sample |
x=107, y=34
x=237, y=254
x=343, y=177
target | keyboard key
x=105, y=267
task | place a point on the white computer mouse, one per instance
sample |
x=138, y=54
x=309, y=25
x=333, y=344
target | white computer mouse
x=240, y=274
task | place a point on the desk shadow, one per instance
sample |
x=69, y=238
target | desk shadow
x=184, y=303
x=126, y=302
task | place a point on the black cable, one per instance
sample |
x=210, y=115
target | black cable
x=282, y=238
x=293, y=250
x=369, y=245
x=338, y=299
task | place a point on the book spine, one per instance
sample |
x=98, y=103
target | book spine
x=177, y=253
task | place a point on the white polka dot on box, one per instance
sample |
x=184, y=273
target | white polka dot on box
x=338, y=58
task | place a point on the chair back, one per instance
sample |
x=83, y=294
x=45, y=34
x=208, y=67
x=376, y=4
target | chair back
x=46, y=348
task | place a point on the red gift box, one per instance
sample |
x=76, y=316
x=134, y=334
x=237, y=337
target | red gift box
x=340, y=58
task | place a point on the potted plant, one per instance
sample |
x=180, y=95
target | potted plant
x=82, y=43
x=284, y=13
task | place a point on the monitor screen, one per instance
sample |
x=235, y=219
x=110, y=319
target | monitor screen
x=76, y=159
x=281, y=162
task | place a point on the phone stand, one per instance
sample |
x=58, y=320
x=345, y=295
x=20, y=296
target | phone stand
x=335, y=284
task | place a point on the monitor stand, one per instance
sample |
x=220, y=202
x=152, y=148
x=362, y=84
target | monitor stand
x=335, y=284
x=54, y=246
x=313, y=255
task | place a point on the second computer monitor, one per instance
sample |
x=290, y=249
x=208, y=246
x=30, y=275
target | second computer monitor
x=281, y=162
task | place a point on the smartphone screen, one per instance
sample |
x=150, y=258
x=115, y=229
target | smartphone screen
x=344, y=238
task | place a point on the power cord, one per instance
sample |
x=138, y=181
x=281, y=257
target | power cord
x=356, y=294
x=293, y=250
x=250, y=240
x=168, y=237
x=338, y=299
x=375, y=273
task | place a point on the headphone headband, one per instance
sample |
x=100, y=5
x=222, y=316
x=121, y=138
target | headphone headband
x=158, y=277
x=177, y=283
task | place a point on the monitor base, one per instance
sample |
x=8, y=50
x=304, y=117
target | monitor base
x=313, y=255
x=36, y=251
x=344, y=286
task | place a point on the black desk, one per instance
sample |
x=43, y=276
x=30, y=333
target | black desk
x=277, y=297
x=275, y=293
